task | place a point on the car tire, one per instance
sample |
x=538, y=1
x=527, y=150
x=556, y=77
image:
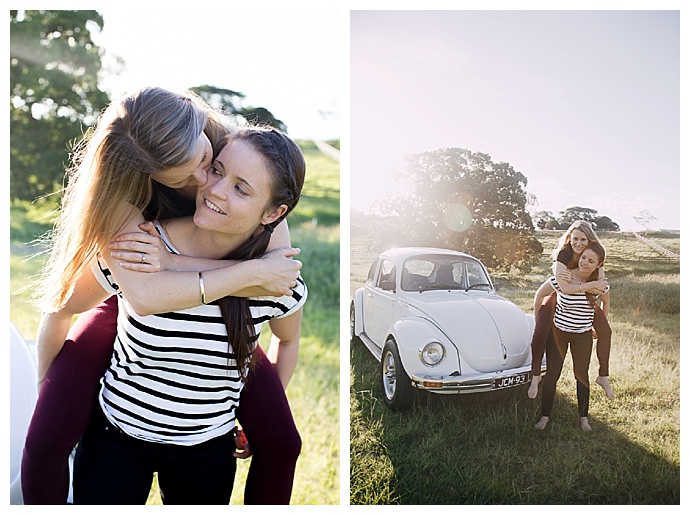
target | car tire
x=398, y=392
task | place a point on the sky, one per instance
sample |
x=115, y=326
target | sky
x=586, y=104
x=286, y=60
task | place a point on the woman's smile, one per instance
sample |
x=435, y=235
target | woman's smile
x=213, y=207
x=238, y=182
x=578, y=241
x=589, y=261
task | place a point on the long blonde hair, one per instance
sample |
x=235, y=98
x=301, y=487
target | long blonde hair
x=109, y=179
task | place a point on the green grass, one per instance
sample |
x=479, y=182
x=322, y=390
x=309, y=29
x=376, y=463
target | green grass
x=482, y=448
x=314, y=389
x=320, y=201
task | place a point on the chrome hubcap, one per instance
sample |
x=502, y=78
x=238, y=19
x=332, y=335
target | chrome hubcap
x=389, y=375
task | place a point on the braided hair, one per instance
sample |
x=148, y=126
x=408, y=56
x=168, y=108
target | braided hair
x=286, y=165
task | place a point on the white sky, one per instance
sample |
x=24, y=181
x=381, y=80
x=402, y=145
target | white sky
x=584, y=103
x=286, y=60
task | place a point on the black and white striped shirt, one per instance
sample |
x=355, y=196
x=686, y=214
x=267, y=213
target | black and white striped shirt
x=171, y=379
x=574, y=313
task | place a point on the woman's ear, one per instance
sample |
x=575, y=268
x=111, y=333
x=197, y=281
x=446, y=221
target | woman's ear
x=272, y=216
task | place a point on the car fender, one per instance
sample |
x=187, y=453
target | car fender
x=411, y=334
x=24, y=393
x=359, y=307
x=530, y=324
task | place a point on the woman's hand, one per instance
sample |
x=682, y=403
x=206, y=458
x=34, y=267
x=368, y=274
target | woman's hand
x=564, y=276
x=140, y=251
x=597, y=287
x=279, y=272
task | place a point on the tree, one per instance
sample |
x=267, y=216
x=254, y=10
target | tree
x=573, y=214
x=644, y=218
x=462, y=200
x=54, y=92
x=230, y=102
x=225, y=100
x=545, y=220
x=262, y=116
x=604, y=223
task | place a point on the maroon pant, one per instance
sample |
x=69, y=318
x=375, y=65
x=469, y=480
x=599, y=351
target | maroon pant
x=68, y=394
x=543, y=331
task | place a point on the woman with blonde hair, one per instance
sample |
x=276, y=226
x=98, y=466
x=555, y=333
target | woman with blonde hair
x=143, y=160
x=168, y=400
x=566, y=256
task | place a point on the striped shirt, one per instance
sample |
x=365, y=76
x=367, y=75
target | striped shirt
x=171, y=378
x=574, y=313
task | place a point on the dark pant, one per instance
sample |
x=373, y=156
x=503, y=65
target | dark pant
x=111, y=467
x=67, y=396
x=581, y=352
x=542, y=330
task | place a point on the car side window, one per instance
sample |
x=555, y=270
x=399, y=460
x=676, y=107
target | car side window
x=386, y=279
x=372, y=272
x=477, y=276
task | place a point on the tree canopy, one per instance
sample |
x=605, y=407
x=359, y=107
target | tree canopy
x=54, y=92
x=55, y=97
x=230, y=102
x=546, y=220
x=463, y=200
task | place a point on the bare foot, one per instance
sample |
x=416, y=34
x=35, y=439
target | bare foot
x=534, y=387
x=542, y=423
x=603, y=381
x=584, y=424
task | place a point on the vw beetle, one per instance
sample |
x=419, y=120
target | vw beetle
x=434, y=321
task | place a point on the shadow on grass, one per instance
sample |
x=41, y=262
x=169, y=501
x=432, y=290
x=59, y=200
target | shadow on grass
x=483, y=449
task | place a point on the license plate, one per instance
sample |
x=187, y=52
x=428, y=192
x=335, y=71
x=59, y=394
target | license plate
x=507, y=382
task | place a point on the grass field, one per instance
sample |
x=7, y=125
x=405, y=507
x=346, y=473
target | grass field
x=314, y=389
x=482, y=448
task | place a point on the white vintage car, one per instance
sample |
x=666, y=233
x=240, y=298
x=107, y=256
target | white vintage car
x=433, y=320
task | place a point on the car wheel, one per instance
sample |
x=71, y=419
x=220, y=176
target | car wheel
x=397, y=388
x=353, y=337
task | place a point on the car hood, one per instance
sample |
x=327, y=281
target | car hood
x=490, y=332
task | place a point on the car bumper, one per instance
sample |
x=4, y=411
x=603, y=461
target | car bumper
x=475, y=382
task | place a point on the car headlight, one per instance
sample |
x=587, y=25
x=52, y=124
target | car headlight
x=432, y=354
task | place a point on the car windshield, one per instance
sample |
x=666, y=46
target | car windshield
x=440, y=272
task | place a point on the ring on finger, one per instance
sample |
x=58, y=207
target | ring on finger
x=143, y=257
